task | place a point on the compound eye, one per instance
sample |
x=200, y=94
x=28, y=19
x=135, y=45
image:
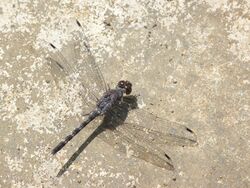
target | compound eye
x=128, y=87
x=121, y=84
x=129, y=84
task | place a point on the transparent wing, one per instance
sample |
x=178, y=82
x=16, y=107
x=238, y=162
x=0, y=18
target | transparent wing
x=126, y=143
x=159, y=131
x=142, y=137
x=148, y=126
x=74, y=63
x=88, y=55
x=142, y=142
x=160, y=138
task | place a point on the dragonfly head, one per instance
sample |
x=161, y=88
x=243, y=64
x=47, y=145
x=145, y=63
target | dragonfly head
x=126, y=85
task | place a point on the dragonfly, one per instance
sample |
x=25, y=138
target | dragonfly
x=140, y=137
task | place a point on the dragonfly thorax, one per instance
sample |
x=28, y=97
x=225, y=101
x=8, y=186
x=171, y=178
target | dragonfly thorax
x=125, y=85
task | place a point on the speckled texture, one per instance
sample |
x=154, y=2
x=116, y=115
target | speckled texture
x=188, y=59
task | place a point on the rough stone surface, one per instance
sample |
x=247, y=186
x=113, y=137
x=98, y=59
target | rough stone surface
x=188, y=59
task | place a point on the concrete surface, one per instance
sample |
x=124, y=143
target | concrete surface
x=190, y=59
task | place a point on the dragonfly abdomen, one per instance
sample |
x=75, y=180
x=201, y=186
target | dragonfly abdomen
x=91, y=117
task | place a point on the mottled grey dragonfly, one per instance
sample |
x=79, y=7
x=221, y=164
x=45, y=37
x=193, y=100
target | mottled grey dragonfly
x=141, y=136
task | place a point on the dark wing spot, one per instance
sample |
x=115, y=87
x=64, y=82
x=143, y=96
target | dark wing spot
x=59, y=65
x=107, y=23
x=154, y=25
x=78, y=23
x=167, y=156
x=52, y=45
x=189, y=130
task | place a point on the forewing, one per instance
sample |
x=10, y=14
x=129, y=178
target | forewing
x=91, y=74
x=76, y=60
x=159, y=130
x=155, y=137
x=74, y=64
x=67, y=78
